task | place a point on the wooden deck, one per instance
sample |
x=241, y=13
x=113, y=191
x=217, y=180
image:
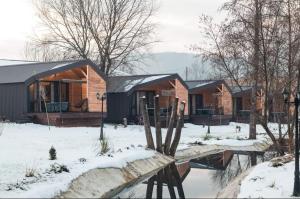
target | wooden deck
x=68, y=119
x=210, y=120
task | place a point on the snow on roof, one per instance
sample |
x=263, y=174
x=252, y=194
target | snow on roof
x=199, y=83
x=9, y=62
x=130, y=84
x=204, y=83
x=61, y=65
x=126, y=83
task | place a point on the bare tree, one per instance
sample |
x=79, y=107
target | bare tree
x=257, y=44
x=112, y=33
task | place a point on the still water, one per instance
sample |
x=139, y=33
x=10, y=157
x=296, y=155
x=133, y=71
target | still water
x=199, y=178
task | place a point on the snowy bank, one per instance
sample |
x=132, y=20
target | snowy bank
x=265, y=181
x=25, y=147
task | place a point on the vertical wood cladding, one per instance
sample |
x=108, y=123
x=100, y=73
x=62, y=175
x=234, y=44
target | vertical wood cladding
x=183, y=94
x=226, y=100
x=216, y=97
x=75, y=96
x=95, y=84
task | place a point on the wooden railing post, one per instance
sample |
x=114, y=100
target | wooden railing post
x=179, y=126
x=148, y=133
x=171, y=127
x=157, y=124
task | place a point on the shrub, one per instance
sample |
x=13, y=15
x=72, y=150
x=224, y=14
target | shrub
x=207, y=137
x=58, y=168
x=104, y=146
x=52, y=153
x=30, y=172
x=1, y=128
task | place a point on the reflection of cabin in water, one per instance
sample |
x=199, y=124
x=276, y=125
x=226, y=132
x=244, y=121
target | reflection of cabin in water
x=209, y=100
x=124, y=93
x=65, y=89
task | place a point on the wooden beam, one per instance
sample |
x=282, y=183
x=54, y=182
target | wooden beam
x=83, y=72
x=146, y=120
x=173, y=85
x=157, y=124
x=179, y=126
x=171, y=127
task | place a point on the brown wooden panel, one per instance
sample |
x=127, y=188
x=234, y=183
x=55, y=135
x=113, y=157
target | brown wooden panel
x=182, y=94
x=95, y=85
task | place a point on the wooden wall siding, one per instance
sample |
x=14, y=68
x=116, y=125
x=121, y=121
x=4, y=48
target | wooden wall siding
x=226, y=100
x=183, y=94
x=75, y=96
x=247, y=102
x=95, y=85
x=84, y=90
x=164, y=101
x=216, y=97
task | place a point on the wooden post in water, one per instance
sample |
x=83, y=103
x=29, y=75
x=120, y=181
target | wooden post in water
x=150, y=186
x=179, y=127
x=171, y=127
x=157, y=124
x=148, y=133
x=169, y=173
x=177, y=180
x=159, y=188
x=168, y=177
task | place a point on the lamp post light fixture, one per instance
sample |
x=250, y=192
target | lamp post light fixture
x=102, y=98
x=296, y=101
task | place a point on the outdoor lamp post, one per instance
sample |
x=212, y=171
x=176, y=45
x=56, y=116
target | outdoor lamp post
x=286, y=95
x=102, y=98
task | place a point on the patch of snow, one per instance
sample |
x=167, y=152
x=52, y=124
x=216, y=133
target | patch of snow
x=265, y=181
x=204, y=83
x=132, y=83
x=25, y=146
x=60, y=65
x=7, y=62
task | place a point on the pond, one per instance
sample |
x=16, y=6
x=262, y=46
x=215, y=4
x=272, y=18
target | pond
x=199, y=178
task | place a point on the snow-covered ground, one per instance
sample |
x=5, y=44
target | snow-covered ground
x=265, y=181
x=26, y=147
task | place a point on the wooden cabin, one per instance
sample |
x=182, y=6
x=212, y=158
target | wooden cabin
x=124, y=93
x=210, y=102
x=241, y=97
x=66, y=90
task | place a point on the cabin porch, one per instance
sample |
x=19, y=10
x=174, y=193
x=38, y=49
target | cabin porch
x=211, y=105
x=68, y=97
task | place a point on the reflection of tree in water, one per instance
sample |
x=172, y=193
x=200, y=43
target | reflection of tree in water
x=237, y=165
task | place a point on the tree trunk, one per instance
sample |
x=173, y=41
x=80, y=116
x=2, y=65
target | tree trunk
x=252, y=130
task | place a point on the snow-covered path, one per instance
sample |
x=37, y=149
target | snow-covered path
x=26, y=146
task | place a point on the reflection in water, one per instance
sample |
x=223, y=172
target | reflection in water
x=199, y=178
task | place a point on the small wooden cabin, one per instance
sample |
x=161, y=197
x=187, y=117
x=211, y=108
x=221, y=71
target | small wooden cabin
x=210, y=101
x=124, y=93
x=65, y=89
x=241, y=97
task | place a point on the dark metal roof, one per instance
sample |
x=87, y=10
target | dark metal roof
x=28, y=72
x=196, y=85
x=121, y=84
x=238, y=91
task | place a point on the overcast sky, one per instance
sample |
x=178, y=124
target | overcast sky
x=177, y=24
